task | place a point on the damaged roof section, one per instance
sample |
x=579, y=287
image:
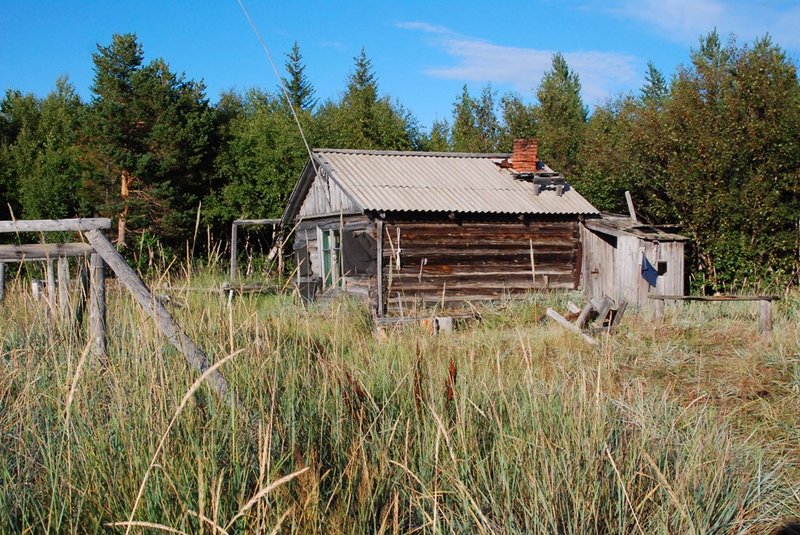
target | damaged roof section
x=621, y=225
x=462, y=183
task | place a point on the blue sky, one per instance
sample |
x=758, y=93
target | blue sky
x=423, y=52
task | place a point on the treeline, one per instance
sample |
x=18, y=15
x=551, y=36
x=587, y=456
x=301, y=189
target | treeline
x=715, y=149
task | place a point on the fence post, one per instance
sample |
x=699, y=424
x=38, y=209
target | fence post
x=2, y=280
x=97, y=306
x=63, y=288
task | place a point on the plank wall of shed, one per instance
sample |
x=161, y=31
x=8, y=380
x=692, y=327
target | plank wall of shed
x=326, y=198
x=612, y=267
x=453, y=262
x=306, y=236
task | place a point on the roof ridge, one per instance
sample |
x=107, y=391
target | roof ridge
x=486, y=155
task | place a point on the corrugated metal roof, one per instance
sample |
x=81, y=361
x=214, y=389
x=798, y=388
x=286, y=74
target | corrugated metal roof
x=442, y=182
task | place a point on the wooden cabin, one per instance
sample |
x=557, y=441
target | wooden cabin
x=614, y=249
x=405, y=230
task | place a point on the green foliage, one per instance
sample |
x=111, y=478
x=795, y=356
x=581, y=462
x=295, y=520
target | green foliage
x=361, y=119
x=301, y=92
x=560, y=116
x=260, y=161
x=154, y=130
x=475, y=124
x=43, y=164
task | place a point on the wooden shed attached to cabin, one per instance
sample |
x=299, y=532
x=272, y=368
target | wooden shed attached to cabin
x=411, y=229
x=616, y=249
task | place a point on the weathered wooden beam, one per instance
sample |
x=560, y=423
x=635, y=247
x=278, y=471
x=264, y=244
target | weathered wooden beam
x=63, y=288
x=631, y=209
x=583, y=317
x=658, y=311
x=564, y=322
x=765, y=318
x=234, y=251
x=97, y=307
x=42, y=251
x=51, y=287
x=153, y=307
x=243, y=222
x=55, y=225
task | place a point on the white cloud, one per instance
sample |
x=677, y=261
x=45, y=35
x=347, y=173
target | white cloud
x=601, y=73
x=685, y=21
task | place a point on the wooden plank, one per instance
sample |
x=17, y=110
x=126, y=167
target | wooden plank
x=603, y=308
x=55, y=225
x=256, y=222
x=631, y=209
x=97, y=307
x=765, y=318
x=153, y=307
x=584, y=315
x=42, y=251
x=561, y=320
x=715, y=297
x=572, y=307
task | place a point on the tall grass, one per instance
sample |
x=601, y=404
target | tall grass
x=509, y=425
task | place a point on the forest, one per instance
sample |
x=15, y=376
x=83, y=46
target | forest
x=715, y=148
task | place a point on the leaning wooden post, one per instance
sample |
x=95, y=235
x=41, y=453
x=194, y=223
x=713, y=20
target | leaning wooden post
x=97, y=306
x=234, y=244
x=765, y=318
x=165, y=322
x=63, y=288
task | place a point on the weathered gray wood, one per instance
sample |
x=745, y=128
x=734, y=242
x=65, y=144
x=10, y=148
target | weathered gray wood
x=564, y=322
x=572, y=307
x=257, y=222
x=658, y=310
x=765, y=318
x=379, y=272
x=63, y=288
x=97, y=306
x=234, y=251
x=715, y=297
x=444, y=324
x=631, y=209
x=603, y=308
x=2, y=281
x=584, y=315
x=42, y=251
x=55, y=225
x=36, y=289
x=51, y=286
x=165, y=322
x=83, y=295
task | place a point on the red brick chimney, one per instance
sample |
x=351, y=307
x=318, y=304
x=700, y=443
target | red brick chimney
x=525, y=155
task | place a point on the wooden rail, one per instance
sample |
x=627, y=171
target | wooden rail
x=765, y=306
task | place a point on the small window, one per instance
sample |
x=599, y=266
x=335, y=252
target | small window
x=662, y=268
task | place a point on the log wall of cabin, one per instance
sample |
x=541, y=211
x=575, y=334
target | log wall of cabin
x=453, y=262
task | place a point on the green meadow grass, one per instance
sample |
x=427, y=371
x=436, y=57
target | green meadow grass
x=508, y=425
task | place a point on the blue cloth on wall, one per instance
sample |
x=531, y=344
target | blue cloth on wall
x=649, y=273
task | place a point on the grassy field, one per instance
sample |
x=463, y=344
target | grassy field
x=508, y=425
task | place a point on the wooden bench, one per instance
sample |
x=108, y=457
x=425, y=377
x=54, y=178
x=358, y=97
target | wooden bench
x=765, y=306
